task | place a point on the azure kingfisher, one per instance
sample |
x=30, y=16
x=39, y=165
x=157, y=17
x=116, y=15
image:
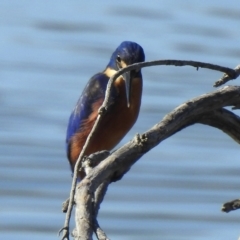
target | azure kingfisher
x=122, y=114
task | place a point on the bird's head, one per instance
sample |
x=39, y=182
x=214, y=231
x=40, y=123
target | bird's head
x=127, y=53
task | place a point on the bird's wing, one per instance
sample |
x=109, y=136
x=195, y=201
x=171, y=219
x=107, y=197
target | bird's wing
x=93, y=92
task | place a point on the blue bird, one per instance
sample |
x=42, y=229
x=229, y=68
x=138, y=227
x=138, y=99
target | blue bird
x=122, y=114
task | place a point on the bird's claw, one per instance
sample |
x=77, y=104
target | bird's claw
x=93, y=160
x=65, y=233
x=102, y=110
x=140, y=139
x=97, y=157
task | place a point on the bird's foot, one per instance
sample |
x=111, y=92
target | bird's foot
x=140, y=139
x=102, y=110
x=97, y=157
x=94, y=159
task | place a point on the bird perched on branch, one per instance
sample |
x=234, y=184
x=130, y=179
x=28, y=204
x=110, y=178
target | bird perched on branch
x=121, y=115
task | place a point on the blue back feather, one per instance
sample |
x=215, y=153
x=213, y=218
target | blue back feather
x=94, y=90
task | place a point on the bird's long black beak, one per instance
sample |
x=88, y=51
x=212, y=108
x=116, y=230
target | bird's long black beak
x=127, y=78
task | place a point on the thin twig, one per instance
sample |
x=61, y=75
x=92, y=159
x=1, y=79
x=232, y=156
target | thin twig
x=225, y=78
x=231, y=206
x=179, y=63
x=65, y=229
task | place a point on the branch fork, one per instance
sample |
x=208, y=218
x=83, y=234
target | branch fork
x=207, y=109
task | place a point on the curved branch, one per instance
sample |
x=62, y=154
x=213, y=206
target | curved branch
x=225, y=78
x=206, y=109
x=231, y=73
x=224, y=120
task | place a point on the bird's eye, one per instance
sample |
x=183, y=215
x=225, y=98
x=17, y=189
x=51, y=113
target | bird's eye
x=118, y=59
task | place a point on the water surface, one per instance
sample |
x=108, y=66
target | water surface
x=49, y=49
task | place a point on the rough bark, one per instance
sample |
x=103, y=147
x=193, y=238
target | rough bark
x=206, y=109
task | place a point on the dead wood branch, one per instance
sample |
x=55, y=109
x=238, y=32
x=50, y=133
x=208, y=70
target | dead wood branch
x=206, y=109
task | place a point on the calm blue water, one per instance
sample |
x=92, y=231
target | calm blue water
x=48, y=51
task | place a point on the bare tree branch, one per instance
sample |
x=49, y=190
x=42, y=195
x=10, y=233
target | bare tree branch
x=84, y=211
x=230, y=73
x=204, y=109
x=98, y=198
x=224, y=120
x=226, y=77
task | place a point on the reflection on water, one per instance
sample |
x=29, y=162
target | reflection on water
x=48, y=52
